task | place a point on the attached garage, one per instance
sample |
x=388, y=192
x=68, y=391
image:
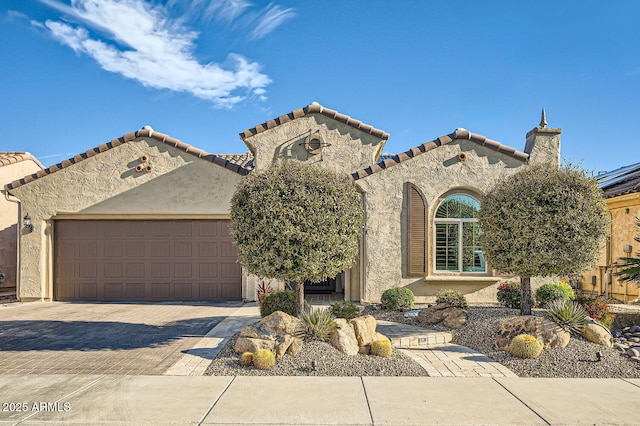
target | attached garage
x=145, y=260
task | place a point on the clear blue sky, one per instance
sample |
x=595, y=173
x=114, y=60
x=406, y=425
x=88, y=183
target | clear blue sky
x=78, y=73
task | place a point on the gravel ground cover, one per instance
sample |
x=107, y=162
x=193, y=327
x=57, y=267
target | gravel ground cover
x=578, y=359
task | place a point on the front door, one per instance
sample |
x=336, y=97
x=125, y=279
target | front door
x=327, y=285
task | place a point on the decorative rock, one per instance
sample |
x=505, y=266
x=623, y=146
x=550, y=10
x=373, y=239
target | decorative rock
x=547, y=332
x=282, y=347
x=256, y=331
x=412, y=313
x=635, y=358
x=448, y=315
x=282, y=323
x=365, y=329
x=295, y=347
x=595, y=332
x=633, y=352
x=343, y=337
x=248, y=344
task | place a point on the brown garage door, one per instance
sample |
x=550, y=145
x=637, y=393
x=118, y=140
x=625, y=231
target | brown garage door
x=150, y=260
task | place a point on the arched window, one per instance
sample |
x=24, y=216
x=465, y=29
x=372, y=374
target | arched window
x=457, y=235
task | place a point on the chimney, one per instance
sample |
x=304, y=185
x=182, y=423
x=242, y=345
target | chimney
x=543, y=143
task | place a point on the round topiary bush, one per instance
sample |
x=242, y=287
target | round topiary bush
x=454, y=298
x=381, y=348
x=397, y=299
x=264, y=359
x=509, y=294
x=246, y=359
x=345, y=309
x=525, y=346
x=284, y=300
x=552, y=291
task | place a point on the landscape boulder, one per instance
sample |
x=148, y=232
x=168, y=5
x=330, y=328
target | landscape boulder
x=277, y=332
x=449, y=316
x=597, y=333
x=547, y=332
x=365, y=329
x=343, y=337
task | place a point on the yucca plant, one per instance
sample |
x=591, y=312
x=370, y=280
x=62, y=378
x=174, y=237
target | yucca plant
x=568, y=314
x=318, y=323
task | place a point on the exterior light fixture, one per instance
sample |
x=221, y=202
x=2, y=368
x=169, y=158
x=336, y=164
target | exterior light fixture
x=599, y=355
x=26, y=221
x=627, y=249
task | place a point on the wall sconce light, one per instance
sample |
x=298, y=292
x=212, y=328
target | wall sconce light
x=593, y=280
x=627, y=249
x=26, y=221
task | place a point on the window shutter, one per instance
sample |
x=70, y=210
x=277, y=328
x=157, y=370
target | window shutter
x=416, y=231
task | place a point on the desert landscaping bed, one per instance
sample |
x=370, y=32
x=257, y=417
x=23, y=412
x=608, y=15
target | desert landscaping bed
x=577, y=359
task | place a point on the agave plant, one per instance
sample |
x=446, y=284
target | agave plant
x=318, y=323
x=568, y=314
x=629, y=267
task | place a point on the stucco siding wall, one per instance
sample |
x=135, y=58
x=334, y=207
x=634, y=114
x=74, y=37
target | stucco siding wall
x=9, y=219
x=107, y=185
x=437, y=173
x=349, y=150
x=624, y=210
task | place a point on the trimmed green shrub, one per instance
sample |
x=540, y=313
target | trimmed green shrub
x=318, y=323
x=525, y=346
x=264, y=359
x=454, y=298
x=568, y=314
x=345, y=309
x=509, y=294
x=246, y=359
x=283, y=300
x=397, y=299
x=552, y=291
x=381, y=348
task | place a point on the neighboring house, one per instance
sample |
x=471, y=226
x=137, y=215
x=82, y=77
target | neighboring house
x=13, y=165
x=621, y=191
x=145, y=216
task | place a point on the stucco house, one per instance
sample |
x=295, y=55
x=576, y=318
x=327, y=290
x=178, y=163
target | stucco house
x=13, y=165
x=145, y=216
x=621, y=192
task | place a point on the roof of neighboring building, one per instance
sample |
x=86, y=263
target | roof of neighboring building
x=388, y=160
x=7, y=158
x=233, y=162
x=314, y=108
x=624, y=180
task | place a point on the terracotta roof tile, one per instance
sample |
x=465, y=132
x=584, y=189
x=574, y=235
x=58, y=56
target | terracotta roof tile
x=232, y=162
x=14, y=157
x=389, y=161
x=314, y=109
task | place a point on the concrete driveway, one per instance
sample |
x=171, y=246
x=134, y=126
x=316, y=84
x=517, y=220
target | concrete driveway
x=102, y=338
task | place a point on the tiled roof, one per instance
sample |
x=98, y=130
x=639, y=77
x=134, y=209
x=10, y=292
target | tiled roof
x=242, y=160
x=146, y=132
x=624, y=180
x=7, y=158
x=387, y=161
x=314, y=108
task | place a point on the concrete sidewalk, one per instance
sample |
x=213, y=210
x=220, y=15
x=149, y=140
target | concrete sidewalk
x=108, y=400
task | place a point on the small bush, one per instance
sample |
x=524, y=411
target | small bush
x=509, y=294
x=381, y=348
x=284, y=300
x=454, y=298
x=552, y=291
x=246, y=359
x=318, y=323
x=597, y=309
x=568, y=314
x=345, y=309
x=525, y=346
x=397, y=299
x=264, y=359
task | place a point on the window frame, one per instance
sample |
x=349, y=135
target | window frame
x=460, y=222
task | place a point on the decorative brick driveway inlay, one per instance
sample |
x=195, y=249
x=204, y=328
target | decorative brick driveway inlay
x=102, y=338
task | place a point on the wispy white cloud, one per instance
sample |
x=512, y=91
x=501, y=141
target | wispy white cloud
x=271, y=18
x=142, y=42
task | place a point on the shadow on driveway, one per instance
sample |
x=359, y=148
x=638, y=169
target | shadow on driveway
x=51, y=335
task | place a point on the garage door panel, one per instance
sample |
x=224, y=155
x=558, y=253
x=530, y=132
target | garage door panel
x=145, y=260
